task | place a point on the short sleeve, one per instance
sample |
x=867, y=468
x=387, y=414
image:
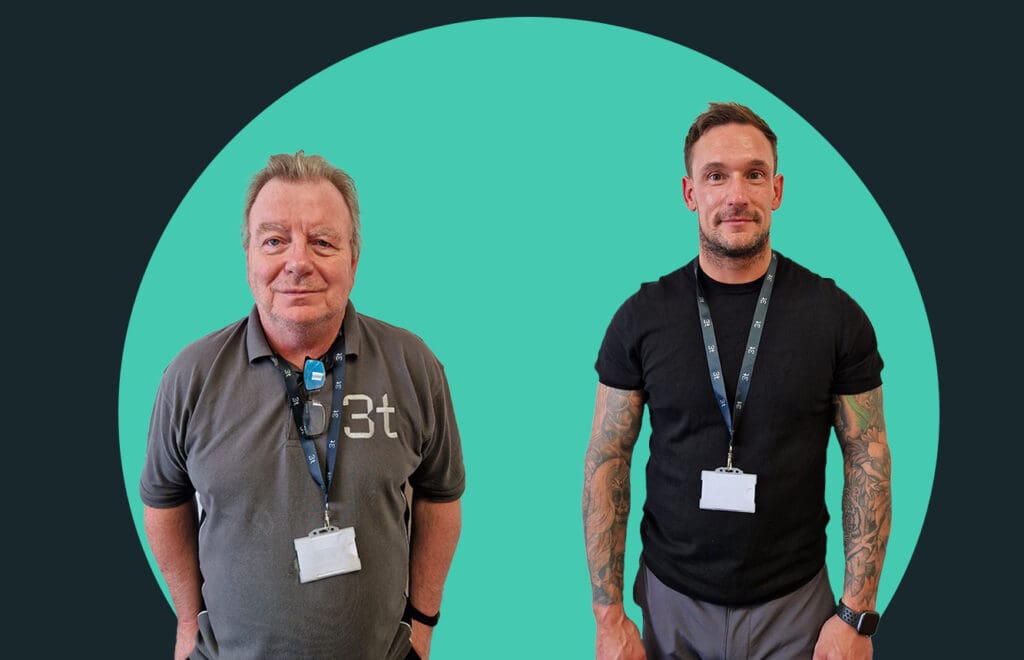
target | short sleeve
x=165, y=482
x=858, y=362
x=441, y=475
x=618, y=360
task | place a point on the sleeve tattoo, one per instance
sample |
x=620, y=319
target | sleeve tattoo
x=867, y=494
x=617, y=418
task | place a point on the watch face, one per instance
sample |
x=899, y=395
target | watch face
x=867, y=623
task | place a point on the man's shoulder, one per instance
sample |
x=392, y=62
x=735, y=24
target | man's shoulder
x=810, y=281
x=206, y=348
x=668, y=287
x=796, y=270
x=381, y=335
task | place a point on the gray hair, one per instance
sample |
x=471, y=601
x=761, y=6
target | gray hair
x=301, y=167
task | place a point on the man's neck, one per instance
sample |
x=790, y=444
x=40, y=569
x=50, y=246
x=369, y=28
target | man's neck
x=296, y=344
x=731, y=270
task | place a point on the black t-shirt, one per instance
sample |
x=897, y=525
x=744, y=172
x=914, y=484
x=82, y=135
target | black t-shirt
x=816, y=343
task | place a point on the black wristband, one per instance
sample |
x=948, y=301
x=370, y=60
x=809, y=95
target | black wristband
x=865, y=623
x=415, y=615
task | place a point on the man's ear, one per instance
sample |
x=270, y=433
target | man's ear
x=688, y=195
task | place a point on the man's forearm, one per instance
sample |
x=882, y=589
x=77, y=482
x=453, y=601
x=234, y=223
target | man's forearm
x=435, y=533
x=172, y=537
x=867, y=494
x=606, y=490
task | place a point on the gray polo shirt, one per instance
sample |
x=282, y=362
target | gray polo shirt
x=221, y=428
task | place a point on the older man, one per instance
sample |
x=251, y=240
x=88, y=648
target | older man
x=302, y=429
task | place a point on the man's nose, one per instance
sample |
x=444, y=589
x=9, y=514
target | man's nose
x=736, y=192
x=299, y=262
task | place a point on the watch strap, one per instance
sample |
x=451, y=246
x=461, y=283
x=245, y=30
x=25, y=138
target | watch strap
x=414, y=614
x=855, y=618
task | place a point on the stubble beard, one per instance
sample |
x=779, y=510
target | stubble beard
x=310, y=328
x=717, y=248
x=306, y=333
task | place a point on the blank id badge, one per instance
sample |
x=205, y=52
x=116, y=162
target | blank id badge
x=327, y=551
x=727, y=489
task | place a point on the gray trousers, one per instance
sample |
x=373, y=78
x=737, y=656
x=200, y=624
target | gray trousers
x=682, y=628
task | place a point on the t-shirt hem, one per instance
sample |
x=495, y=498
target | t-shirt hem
x=449, y=495
x=731, y=600
x=620, y=386
x=857, y=387
x=164, y=503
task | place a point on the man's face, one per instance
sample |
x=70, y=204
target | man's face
x=734, y=189
x=299, y=258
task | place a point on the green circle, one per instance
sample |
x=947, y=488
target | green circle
x=519, y=178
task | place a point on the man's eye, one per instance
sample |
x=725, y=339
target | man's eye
x=715, y=176
x=272, y=242
x=322, y=243
x=757, y=175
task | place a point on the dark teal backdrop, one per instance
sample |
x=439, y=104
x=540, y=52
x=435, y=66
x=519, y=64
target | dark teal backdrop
x=112, y=115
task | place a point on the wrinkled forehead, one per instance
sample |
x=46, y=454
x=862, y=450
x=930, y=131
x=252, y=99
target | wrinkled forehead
x=283, y=200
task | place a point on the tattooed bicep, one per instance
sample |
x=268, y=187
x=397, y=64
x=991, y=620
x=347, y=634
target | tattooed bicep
x=859, y=417
x=617, y=417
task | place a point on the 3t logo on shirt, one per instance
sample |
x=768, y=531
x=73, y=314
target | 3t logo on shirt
x=362, y=424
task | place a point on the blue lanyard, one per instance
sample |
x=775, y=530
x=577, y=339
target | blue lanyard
x=749, y=355
x=335, y=355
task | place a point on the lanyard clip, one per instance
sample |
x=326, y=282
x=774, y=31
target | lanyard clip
x=327, y=515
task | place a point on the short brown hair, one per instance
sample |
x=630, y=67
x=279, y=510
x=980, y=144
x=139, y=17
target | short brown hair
x=719, y=114
x=301, y=167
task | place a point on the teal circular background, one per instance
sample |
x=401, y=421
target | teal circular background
x=519, y=178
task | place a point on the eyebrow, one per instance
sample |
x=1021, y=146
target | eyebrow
x=265, y=227
x=318, y=232
x=757, y=163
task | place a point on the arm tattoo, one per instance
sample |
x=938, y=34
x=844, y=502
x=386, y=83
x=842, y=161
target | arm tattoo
x=617, y=418
x=867, y=494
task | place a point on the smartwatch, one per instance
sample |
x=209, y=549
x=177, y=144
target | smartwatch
x=865, y=623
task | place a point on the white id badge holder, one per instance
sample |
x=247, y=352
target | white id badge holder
x=327, y=551
x=727, y=489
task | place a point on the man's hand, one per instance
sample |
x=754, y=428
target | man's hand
x=421, y=635
x=185, y=641
x=617, y=636
x=839, y=641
